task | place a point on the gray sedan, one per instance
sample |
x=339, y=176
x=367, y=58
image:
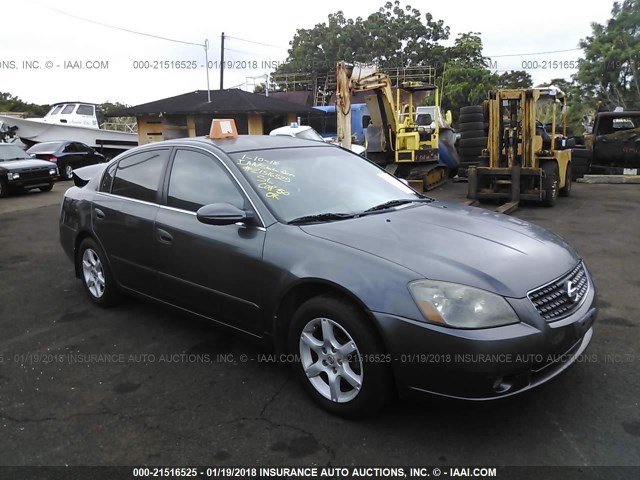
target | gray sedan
x=369, y=286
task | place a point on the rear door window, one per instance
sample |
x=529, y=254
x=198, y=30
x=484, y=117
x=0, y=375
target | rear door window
x=138, y=176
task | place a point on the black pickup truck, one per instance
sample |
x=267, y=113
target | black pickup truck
x=19, y=171
x=615, y=143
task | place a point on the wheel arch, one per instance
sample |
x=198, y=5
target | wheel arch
x=82, y=236
x=304, y=290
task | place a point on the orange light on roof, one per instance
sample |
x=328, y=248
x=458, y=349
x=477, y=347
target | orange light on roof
x=223, y=128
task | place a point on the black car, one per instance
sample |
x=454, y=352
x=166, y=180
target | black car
x=19, y=171
x=66, y=155
x=366, y=284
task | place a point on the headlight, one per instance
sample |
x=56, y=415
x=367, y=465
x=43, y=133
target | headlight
x=13, y=176
x=53, y=171
x=459, y=306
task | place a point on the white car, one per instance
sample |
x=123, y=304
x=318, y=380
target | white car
x=308, y=133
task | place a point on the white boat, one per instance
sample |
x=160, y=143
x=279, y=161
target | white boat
x=76, y=121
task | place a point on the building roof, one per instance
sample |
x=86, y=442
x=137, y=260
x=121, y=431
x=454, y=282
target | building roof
x=232, y=101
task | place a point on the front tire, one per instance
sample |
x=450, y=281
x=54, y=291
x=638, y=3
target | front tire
x=341, y=364
x=95, y=274
x=550, y=183
x=47, y=188
x=4, y=189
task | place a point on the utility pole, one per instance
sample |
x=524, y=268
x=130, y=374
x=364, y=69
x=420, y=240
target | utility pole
x=222, y=63
x=206, y=61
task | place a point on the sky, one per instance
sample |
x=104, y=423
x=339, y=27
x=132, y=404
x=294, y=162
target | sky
x=56, y=50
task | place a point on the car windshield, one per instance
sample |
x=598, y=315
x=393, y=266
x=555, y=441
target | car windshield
x=309, y=134
x=12, y=152
x=324, y=182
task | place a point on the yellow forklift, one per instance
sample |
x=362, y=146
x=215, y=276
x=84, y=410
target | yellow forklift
x=522, y=160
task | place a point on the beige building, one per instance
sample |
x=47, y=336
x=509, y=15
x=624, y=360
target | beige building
x=190, y=114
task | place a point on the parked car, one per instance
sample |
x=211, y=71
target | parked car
x=331, y=259
x=18, y=171
x=67, y=155
x=308, y=133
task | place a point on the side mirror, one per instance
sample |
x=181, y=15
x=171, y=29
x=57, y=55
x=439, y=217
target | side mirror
x=222, y=214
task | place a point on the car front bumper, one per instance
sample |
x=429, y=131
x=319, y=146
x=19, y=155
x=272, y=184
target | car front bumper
x=488, y=363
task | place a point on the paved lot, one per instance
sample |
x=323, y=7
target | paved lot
x=131, y=385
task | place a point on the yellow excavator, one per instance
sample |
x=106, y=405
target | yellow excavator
x=408, y=141
x=522, y=160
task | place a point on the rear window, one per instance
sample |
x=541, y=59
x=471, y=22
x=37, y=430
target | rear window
x=45, y=147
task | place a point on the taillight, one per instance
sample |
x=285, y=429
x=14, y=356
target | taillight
x=50, y=158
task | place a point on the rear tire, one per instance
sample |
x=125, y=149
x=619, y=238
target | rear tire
x=550, y=183
x=566, y=190
x=96, y=275
x=334, y=340
x=67, y=172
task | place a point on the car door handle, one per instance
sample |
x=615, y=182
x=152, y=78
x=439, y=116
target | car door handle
x=99, y=214
x=164, y=236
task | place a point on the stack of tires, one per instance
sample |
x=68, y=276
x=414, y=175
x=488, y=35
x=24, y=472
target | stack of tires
x=473, y=128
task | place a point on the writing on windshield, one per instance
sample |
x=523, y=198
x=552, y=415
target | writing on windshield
x=269, y=175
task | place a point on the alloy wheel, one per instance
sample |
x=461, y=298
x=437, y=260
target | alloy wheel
x=331, y=360
x=93, y=273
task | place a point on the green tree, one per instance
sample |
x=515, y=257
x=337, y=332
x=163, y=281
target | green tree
x=108, y=107
x=467, y=80
x=610, y=70
x=393, y=36
x=11, y=103
x=123, y=124
x=515, y=79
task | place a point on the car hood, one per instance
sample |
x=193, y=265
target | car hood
x=465, y=245
x=17, y=165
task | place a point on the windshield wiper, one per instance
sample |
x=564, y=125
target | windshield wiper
x=396, y=203
x=321, y=217
x=19, y=158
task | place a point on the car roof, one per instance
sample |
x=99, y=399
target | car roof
x=245, y=142
x=54, y=142
x=289, y=130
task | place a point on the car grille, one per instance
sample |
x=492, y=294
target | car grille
x=27, y=174
x=552, y=301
